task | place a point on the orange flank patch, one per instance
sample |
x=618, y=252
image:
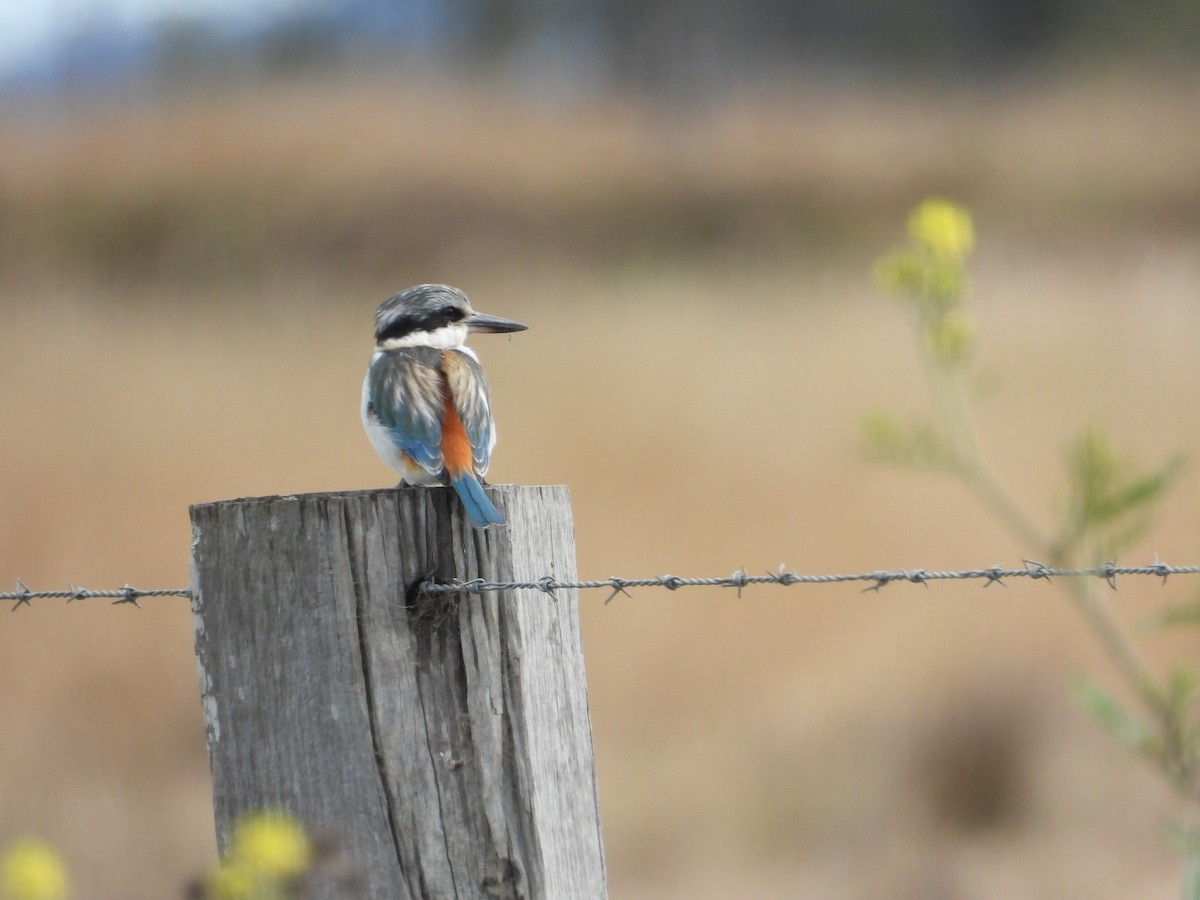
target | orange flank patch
x=456, y=446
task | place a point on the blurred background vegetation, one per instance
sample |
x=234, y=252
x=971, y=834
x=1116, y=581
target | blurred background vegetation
x=200, y=212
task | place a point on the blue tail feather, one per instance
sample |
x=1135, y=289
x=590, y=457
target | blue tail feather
x=480, y=510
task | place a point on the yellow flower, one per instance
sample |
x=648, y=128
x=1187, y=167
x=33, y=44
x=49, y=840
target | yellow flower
x=234, y=882
x=272, y=844
x=31, y=870
x=942, y=228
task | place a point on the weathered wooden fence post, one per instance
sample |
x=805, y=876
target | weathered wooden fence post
x=443, y=742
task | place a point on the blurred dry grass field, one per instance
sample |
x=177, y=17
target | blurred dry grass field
x=187, y=295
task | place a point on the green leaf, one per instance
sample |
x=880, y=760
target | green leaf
x=1111, y=504
x=1120, y=723
x=1186, y=613
x=916, y=443
x=1181, y=693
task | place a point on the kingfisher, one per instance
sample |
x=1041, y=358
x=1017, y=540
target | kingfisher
x=425, y=403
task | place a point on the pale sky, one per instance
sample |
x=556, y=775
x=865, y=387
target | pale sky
x=28, y=28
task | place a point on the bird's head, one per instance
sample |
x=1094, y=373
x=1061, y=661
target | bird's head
x=433, y=315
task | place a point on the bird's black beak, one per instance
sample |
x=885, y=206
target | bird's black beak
x=485, y=324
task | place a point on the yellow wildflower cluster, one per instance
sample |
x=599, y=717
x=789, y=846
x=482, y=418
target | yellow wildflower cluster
x=943, y=229
x=931, y=274
x=268, y=851
x=31, y=870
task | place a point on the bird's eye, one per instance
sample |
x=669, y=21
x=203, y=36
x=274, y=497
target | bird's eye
x=451, y=312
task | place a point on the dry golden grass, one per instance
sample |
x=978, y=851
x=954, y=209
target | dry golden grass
x=357, y=172
x=809, y=742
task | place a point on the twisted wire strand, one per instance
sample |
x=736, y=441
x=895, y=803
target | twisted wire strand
x=127, y=594
x=875, y=581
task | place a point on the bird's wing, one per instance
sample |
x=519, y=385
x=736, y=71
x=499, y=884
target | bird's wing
x=406, y=389
x=469, y=393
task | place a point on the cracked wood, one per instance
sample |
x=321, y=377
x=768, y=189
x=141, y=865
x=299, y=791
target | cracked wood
x=441, y=744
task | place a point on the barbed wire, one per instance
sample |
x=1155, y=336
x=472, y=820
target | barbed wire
x=127, y=594
x=876, y=580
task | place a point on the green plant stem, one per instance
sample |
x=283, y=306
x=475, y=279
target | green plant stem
x=955, y=414
x=954, y=410
x=952, y=405
x=1187, y=839
x=1120, y=649
x=981, y=482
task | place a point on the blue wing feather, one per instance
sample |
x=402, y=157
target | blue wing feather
x=406, y=389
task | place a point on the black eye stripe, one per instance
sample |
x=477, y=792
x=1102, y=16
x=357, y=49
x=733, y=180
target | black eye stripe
x=427, y=321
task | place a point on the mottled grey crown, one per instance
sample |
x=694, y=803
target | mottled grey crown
x=423, y=307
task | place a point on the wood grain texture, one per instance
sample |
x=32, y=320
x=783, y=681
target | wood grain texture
x=443, y=743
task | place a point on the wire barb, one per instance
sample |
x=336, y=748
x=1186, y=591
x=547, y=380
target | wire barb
x=1036, y=569
x=618, y=586
x=1110, y=574
x=994, y=575
x=1160, y=568
x=21, y=595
